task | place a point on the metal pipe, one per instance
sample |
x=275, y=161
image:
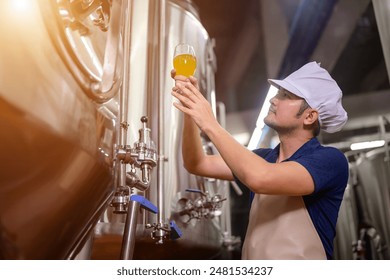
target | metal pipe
x=128, y=240
x=160, y=6
x=146, y=170
x=211, y=68
x=126, y=77
x=124, y=102
x=142, y=184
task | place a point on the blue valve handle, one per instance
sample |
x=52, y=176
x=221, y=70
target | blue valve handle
x=194, y=190
x=146, y=204
x=175, y=231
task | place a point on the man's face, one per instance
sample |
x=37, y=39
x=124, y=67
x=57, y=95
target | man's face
x=282, y=114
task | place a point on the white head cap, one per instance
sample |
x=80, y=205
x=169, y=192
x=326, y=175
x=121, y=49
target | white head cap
x=320, y=91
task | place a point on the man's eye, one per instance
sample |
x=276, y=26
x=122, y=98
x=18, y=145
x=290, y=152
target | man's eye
x=283, y=94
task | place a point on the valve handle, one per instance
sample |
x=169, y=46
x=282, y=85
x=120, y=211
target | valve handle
x=196, y=191
x=175, y=231
x=146, y=204
x=193, y=190
x=144, y=120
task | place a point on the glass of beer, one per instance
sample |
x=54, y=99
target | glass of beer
x=184, y=60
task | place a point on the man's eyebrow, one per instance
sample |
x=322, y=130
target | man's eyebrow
x=286, y=91
x=290, y=94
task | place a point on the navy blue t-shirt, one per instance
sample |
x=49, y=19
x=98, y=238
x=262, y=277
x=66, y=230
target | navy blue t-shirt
x=329, y=170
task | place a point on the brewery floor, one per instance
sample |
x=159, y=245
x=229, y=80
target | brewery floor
x=108, y=247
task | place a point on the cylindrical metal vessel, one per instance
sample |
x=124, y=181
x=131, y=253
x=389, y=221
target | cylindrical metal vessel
x=363, y=230
x=56, y=145
x=68, y=78
x=374, y=175
x=156, y=28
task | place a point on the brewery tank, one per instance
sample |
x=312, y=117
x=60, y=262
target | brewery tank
x=363, y=230
x=199, y=206
x=73, y=75
x=56, y=144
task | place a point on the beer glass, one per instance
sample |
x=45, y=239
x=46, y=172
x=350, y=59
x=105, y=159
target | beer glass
x=184, y=60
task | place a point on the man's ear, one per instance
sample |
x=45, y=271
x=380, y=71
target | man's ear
x=311, y=117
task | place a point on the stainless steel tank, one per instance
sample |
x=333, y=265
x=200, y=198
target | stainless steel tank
x=77, y=77
x=56, y=144
x=347, y=227
x=374, y=175
x=198, y=206
x=363, y=229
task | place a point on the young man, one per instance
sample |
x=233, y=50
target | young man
x=299, y=185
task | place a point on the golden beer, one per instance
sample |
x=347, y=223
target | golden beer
x=184, y=64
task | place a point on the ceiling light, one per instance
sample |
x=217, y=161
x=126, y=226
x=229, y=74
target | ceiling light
x=367, y=145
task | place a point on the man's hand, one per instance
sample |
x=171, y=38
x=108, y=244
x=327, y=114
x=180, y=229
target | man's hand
x=193, y=103
x=180, y=78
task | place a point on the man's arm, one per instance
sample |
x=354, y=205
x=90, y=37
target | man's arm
x=194, y=157
x=288, y=178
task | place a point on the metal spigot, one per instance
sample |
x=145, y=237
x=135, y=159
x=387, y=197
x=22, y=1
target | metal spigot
x=162, y=231
x=202, y=207
x=144, y=151
x=142, y=156
x=159, y=232
x=119, y=202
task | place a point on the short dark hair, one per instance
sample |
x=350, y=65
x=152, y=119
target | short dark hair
x=304, y=106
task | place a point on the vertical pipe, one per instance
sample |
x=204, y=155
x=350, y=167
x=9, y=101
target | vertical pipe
x=128, y=240
x=124, y=102
x=161, y=7
x=151, y=86
x=225, y=223
x=211, y=68
x=126, y=76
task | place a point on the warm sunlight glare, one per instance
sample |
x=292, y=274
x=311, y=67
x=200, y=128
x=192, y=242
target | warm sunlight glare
x=21, y=5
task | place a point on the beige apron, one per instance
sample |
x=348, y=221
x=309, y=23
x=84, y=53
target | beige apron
x=280, y=228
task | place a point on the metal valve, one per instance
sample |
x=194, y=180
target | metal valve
x=162, y=231
x=202, y=207
x=142, y=158
x=144, y=151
